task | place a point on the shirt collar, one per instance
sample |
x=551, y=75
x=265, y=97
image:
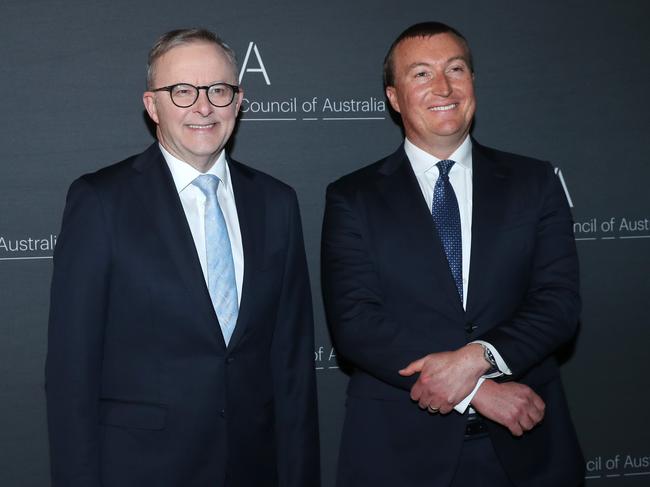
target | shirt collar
x=183, y=174
x=422, y=161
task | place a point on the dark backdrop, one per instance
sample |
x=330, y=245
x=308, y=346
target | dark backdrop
x=559, y=80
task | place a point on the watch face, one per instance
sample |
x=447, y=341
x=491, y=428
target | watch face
x=487, y=353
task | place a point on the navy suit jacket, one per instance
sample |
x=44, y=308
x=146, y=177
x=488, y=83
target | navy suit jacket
x=390, y=299
x=141, y=388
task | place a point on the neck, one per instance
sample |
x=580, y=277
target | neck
x=201, y=164
x=441, y=149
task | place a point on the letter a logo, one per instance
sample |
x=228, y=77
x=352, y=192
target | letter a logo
x=261, y=69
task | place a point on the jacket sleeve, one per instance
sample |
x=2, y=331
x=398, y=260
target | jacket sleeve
x=363, y=332
x=75, y=339
x=293, y=372
x=548, y=315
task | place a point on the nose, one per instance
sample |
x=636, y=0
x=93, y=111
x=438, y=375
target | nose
x=441, y=85
x=203, y=105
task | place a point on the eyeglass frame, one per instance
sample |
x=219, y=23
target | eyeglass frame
x=235, y=90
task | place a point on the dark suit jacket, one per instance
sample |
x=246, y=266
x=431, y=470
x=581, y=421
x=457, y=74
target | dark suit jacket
x=390, y=299
x=141, y=389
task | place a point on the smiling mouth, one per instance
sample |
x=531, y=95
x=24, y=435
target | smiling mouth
x=206, y=126
x=444, y=108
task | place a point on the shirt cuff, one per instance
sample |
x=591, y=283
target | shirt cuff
x=462, y=406
x=501, y=364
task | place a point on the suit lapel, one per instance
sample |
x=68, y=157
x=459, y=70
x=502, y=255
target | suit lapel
x=154, y=186
x=412, y=216
x=252, y=217
x=489, y=184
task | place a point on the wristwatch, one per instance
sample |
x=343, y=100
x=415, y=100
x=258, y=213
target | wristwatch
x=489, y=358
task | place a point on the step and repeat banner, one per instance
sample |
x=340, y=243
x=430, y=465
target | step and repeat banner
x=564, y=81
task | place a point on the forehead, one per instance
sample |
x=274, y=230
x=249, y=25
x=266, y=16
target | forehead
x=196, y=62
x=436, y=49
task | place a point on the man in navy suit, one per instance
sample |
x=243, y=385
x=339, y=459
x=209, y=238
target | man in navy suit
x=181, y=333
x=450, y=278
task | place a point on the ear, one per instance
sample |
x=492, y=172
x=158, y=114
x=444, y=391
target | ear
x=391, y=94
x=240, y=97
x=149, y=100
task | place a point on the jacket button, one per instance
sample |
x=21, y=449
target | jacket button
x=222, y=413
x=230, y=360
x=470, y=327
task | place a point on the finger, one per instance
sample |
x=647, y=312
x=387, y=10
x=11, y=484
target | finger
x=445, y=409
x=539, y=403
x=412, y=368
x=537, y=414
x=424, y=396
x=527, y=423
x=416, y=391
x=516, y=430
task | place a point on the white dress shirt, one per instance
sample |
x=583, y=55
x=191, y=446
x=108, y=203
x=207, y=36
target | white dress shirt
x=193, y=201
x=460, y=177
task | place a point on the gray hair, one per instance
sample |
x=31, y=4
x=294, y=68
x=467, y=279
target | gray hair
x=178, y=37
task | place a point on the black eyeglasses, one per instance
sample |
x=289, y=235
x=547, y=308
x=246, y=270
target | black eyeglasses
x=184, y=95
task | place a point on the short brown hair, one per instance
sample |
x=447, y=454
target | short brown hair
x=423, y=29
x=179, y=37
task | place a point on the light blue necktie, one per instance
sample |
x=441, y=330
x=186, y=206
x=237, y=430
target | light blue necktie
x=446, y=217
x=221, y=269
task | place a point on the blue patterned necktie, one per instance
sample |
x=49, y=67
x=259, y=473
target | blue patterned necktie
x=446, y=217
x=221, y=268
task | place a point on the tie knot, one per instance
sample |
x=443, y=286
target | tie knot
x=207, y=183
x=444, y=167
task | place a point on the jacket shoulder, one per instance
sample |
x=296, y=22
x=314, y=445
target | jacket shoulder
x=269, y=183
x=366, y=176
x=260, y=176
x=115, y=174
x=516, y=162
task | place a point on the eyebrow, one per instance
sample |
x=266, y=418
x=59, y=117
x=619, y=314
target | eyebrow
x=450, y=60
x=460, y=57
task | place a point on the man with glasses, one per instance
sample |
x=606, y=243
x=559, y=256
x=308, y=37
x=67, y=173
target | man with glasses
x=181, y=335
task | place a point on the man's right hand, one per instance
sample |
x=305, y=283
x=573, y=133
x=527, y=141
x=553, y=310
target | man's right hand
x=513, y=405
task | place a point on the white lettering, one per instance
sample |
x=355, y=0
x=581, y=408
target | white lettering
x=28, y=244
x=260, y=69
x=634, y=225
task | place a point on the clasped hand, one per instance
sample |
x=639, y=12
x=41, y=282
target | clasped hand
x=446, y=378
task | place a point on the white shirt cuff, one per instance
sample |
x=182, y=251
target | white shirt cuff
x=501, y=364
x=462, y=406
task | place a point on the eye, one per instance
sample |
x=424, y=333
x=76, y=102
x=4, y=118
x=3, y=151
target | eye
x=457, y=69
x=422, y=74
x=217, y=90
x=183, y=91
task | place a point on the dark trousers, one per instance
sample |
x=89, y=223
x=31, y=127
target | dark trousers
x=479, y=466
